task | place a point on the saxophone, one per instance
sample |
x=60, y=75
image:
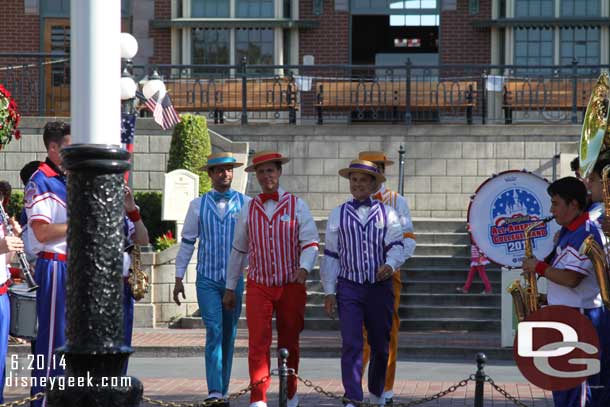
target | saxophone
x=138, y=280
x=526, y=299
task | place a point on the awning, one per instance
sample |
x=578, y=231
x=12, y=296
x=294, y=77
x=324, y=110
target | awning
x=233, y=23
x=543, y=22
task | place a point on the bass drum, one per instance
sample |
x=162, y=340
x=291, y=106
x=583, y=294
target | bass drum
x=500, y=210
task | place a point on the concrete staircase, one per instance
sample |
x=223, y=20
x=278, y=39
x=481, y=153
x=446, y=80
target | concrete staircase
x=429, y=301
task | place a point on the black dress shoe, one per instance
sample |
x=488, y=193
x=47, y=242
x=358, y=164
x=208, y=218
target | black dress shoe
x=389, y=402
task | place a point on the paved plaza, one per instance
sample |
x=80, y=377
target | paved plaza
x=170, y=364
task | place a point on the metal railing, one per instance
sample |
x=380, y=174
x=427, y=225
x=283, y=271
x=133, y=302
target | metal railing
x=334, y=93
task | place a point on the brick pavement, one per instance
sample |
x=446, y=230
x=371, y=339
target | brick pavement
x=189, y=389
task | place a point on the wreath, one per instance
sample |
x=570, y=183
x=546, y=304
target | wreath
x=9, y=118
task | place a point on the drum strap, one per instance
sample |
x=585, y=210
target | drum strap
x=4, y=288
x=53, y=256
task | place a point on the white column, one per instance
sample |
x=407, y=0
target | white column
x=95, y=67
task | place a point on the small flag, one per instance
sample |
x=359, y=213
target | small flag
x=128, y=133
x=163, y=112
x=170, y=116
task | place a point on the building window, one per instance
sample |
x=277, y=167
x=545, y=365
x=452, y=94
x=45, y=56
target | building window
x=581, y=44
x=209, y=8
x=534, y=8
x=255, y=8
x=533, y=46
x=210, y=47
x=473, y=7
x=255, y=45
x=579, y=8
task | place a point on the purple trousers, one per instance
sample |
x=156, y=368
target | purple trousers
x=370, y=305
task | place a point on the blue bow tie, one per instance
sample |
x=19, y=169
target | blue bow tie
x=357, y=204
x=217, y=196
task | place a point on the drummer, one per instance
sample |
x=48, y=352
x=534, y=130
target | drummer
x=8, y=246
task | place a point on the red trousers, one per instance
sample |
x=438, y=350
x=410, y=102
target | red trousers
x=288, y=303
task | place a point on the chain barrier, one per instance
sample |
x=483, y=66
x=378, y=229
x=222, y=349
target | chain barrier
x=320, y=390
x=209, y=403
x=503, y=392
x=24, y=401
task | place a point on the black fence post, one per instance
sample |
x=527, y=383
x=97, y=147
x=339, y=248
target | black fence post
x=574, y=90
x=483, y=98
x=244, y=91
x=408, y=92
x=291, y=95
x=319, y=103
x=401, y=170
x=283, y=372
x=479, y=379
x=469, y=99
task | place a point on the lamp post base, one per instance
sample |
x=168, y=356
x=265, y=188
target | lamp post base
x=95, y=352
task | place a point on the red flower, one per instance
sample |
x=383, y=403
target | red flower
x=9, y=117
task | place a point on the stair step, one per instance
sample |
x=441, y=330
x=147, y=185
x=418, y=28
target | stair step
x=438, y=261
x=442, y=250
x=442, y=238
x=450, y=299
x=444, y=286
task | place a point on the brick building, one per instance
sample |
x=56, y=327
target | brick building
x=528, y=32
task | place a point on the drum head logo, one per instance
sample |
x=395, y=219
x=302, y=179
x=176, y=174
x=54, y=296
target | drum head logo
x=513, y=210
x=556, y=348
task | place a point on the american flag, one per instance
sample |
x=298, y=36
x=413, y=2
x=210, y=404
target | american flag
x=163, y=112
x=128, y=133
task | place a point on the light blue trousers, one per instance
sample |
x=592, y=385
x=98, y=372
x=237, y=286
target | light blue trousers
x=221, y=329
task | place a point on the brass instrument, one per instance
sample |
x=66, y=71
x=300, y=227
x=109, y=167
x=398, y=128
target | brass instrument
x=606, y=193
x=138, y=280
x=23, y=261
x=597, y=255
x=526, y=299
x=594, y=140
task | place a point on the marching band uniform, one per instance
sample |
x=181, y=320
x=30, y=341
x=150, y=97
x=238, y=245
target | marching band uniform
x=45, y=200
x=586, y=297
x=5, y=317
x=279, y=236
x=211, y=219
x=401, y=206
x=128, y=301
x=360, y=237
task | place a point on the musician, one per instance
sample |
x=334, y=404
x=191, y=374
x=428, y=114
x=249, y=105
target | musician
x=211, y=219
x=8, y=246
x=572, y=282
x=400, y=204
x=596, y=196
x=364, y=249
x=135, y=233
x=278, y=235
x=45, y=204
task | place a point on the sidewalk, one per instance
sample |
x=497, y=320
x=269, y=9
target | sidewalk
x=158, y=343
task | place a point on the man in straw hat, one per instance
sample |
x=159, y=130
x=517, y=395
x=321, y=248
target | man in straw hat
x=400, y=205
x=364, y=248
x=278, y=235
x=211, y=219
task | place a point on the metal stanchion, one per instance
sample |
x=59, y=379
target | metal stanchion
x=479, y=377
x=283, y=373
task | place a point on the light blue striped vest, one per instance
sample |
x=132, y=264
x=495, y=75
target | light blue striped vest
x=216, y=236
x=361, y=247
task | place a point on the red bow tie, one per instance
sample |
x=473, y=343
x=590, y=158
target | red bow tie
x=274, y=196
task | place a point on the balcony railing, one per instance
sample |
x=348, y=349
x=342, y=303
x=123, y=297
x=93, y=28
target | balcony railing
x=334, y=93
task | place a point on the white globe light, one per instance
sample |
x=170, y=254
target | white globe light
x=129, y=46
x=153, y=86
x=128, y=88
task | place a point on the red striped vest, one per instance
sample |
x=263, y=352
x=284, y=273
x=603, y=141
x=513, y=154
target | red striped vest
x=274, y=249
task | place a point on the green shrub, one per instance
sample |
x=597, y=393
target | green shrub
x=150, y=209
x=190, y=147
x=15, y=206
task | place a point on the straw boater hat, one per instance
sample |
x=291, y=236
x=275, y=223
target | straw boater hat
x=364, y=167
x=376, y=157
x=215, y=160
x=266, y=157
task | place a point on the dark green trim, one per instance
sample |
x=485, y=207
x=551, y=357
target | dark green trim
x=233, y=23
x=543, y=22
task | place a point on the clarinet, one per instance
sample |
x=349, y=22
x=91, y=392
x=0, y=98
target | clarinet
x=23, y=261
